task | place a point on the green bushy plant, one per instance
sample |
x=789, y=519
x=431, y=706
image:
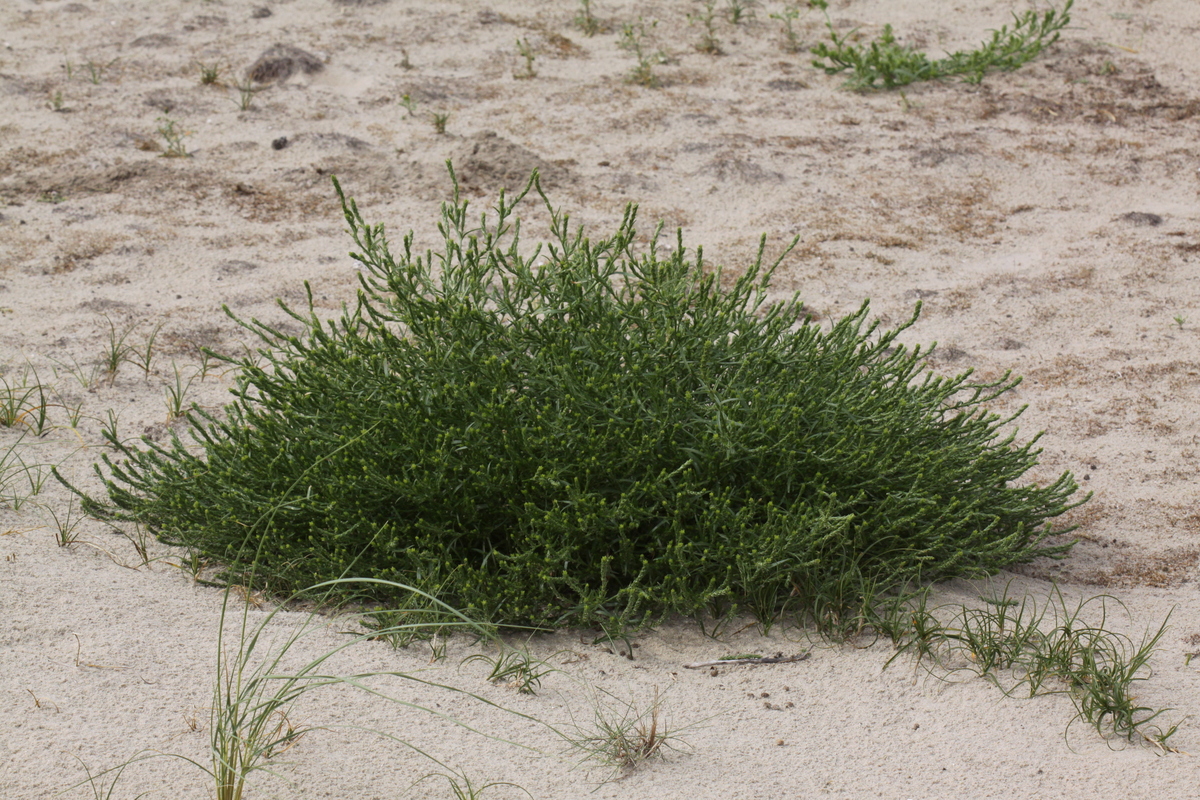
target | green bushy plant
x=885, y=61
x=581, y=433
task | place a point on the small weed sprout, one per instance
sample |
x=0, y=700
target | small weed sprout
x=405, y=64
x=1180, y=319
x=65, y=526
x=245, y=93
x=210, y=74
x=23, y=403
x=87, y=377
x=69, y=68
x=788, y=16
x=143, y=357
x=169, y=130
x=709, y=43
x=740, y=11
x=174, y=394
x=96, y=71
x=526, y=52
x=13, y=467
x=633, y=40
x=515, y=668
x=439, y=122
x=117, y=352
x=586, y=21
x=57, y=103
x=408, y=104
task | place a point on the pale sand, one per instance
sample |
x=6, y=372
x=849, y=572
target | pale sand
x=1049, y=220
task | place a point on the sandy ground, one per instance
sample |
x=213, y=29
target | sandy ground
x=1049, y=220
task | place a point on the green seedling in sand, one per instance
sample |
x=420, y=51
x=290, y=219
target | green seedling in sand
x=174, y=394
x=246, y=90
x=96, y=70
x=173, y=135
x=439, y=122
x=526, y=52
x=143, y=357
x=634, y=40
x=515, y=668
x=19, y=480
x=740, y=11
x=210, y=74
x=709, y=43
x=118, y=350
x=788, y=17
x=23, y=403
x=586, y=21
x=885, y=63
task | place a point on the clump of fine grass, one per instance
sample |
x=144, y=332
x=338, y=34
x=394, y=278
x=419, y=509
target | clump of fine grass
x=624, y=734
x=1036, y=650
x=584, y=433
x=885, y=61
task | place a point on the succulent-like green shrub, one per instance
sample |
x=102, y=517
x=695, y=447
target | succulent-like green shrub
x=581, y=433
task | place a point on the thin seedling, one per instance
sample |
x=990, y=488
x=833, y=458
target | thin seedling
x=709, y=43
x=96, y=70
x=143, y=357
x=13, y=467
x=408, y=104
x=210, y=74
x=108, y=430
x=65, y=526
x=174, y=394
x=170, y=131
x=86, y=377
x=740, y=11
x=526, y=52
x=57, y=103
x=245, y=93
x=515, y=668
x=439, y=122
x=634, y=40
x=1180, y=319
x=586, y=21
x=788, y=17
x=118, y=351
x=23, y=403
x=73, y=408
